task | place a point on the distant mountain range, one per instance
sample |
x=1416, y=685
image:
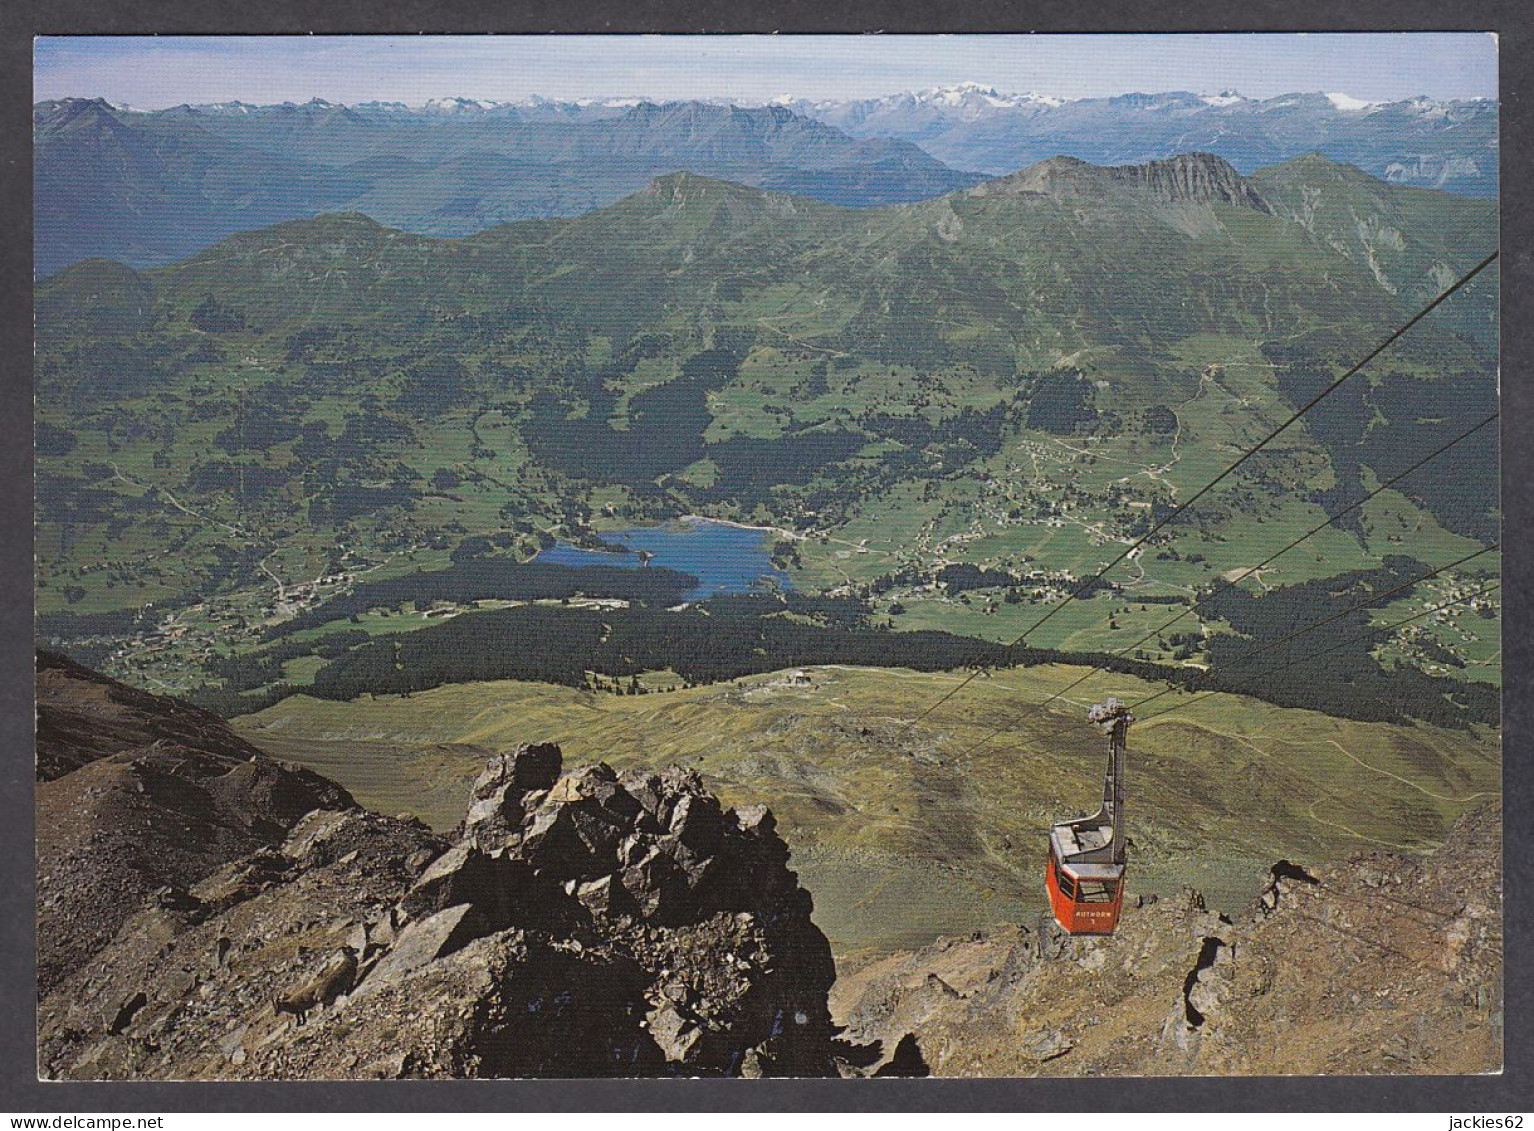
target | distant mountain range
x=1416, y=141
x=149, y=187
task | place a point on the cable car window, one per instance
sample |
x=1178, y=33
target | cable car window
x=1098, y=892
x=1067, y=887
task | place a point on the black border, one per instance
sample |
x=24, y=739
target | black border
x=20, y=20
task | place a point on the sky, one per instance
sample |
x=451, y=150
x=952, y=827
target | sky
x=153, y=72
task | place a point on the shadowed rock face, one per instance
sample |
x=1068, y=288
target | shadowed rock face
x=140, y=796
x=83, y=715
x=1189, y=178
x=577, y=924
x=1199, y=177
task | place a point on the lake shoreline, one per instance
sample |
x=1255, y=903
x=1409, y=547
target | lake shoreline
x=724, y=555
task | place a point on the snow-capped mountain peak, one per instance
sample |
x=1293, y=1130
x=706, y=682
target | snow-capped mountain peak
x=1347, y=102
x=953, y=95
x=972, y=93
x=235, y=107
x=457, y=105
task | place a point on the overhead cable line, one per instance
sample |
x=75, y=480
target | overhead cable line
x=1268, y=646
x=1330, y=648
x=1226, y=585
x=1246, y=455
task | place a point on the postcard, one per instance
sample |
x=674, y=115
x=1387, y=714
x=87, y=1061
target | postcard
x=767, y=556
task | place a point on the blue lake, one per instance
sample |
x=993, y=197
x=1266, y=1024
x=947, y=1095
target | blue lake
x=724, y=558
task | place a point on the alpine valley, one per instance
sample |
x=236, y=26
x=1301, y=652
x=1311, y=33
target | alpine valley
x=398, y=450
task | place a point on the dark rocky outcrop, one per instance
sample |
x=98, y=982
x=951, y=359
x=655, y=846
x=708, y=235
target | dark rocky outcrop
x=577, y=924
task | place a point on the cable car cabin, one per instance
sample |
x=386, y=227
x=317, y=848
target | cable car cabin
x=1085, y=874
x=1085, y=898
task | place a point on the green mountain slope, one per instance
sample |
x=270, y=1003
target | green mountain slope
x=1018, y=378
x=1413, y=240
x=905, y=835
x=1026, y=270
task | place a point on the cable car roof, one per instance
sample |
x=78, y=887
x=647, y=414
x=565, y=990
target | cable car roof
x=1068, y=840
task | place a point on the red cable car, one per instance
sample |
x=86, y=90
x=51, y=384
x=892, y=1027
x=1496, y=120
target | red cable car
x=1085, y=877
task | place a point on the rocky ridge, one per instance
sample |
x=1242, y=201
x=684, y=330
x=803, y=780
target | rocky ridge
x=1185, y=179
x=1191, y=176
x=83, y=715
x=576, y=924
